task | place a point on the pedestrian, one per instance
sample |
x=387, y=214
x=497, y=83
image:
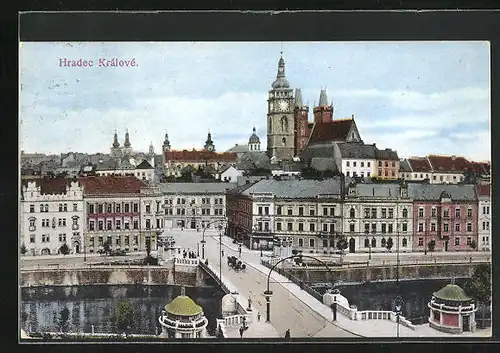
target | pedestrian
x=241, y=331
x=222, y=252
x=258, y=316
x=287, y=334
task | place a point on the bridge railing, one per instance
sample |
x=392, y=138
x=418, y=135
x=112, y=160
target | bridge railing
x=52, y=267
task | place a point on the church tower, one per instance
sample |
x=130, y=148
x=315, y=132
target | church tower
x=280, y=120
x=209, y=144
x=127, y=147
x=323, y=113
x=165, y=148
x=115, y=147
x=301, y=117
x=151, y=154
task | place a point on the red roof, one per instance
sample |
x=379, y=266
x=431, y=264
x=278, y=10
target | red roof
x=111, y=185
x=483, y=189
x=480, y=167
x=335, y=130
x=50, y=185
x=419, y=164
x=449, y=163
x=200, y=156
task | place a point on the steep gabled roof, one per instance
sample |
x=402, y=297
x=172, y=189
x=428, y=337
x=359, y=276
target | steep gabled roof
x=433, y=192
x=449, y=163
x=111, y=185
x=354, y=150
x=144, y=165
x=336, y=130
x=404, y=166
x=419, y=164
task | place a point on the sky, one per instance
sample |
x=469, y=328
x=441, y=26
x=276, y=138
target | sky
x=418, y=98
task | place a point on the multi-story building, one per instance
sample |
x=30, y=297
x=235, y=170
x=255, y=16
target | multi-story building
x=143, y=171
x=113, y=213
x=416, y=168
x=444, y=215
x=387, y=165
x=239, y=212
x=194, y=205
x=306, y=211
x=484, y=216
x=52, y=214
x=356, y=159
x=377, y=216
x=152, y=214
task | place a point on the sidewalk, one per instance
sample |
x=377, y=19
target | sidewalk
x=365, y=328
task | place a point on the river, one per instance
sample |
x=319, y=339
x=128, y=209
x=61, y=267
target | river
x=43, y=308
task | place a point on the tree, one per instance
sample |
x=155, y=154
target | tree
x=148, y=247
x=107, y=247
x=64, y=249
x=63, y=321
x=389, y=244
x=431, y=245
x=23, y=249
x=342, y=244
x=123, y=317
x=479, y=285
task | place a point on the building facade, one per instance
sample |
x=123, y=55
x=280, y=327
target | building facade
x=113, y=214
x=378, y=218
x=387, y=165
x=52, y=214
x=194, y=205
x=484, y=216
x=444, y=217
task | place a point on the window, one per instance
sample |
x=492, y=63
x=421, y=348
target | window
x=352, y=212
x=325, y=211
x=32, y=208
x=136, y=224
x=266, y=226
x=384, y=228
x=136, y=207
x=301, y=227
x=60, y=207
x=259, y=226
x=278, y=226
x=405, y=242
x=367, y=227
x=446, y=213
x=469, y=240
x=100, y=225
x=420, y=227
x=91, y=225
x=41, y=208
x=457, y=241
x=389, y=226
x=289, y=226
x=259, y=210
x=374, y=227
x=469, y=212
x=347, y=173
x=109, y=225
x=351, y=227
x=62, y=238
x=325, y=227
x=362, y=164
x=380, y=164
x=148, y=208
x=332, y=211
x=457, y=227
x=487, y=225
x=368, y=174
x=126, y=225
x=391, y=213
x=312, y=227
x=353, y=164
x=368, y=164
x=178, y=201
x=469, y=227
x=325, y=243
x=148, y=223
x=301, y=242
x=311, y=212
x=374, y=213
x=311, y=243
x=405, y=227
x=289, y=211
x=301, y=211
x=347, y=164
x=457, y=213
x=433, y=212
x=383, y=243
x=332, y=228
x=118, y=224
x=45, y=238
x=433, y=227
x=445, y=227
x=421, y=212
x=405, y=213
x=367, y=243
x=266, y=210
x=420, y=241
x=32, y=238
x=278, y=210
x=384, y=213
x=367, y=212
x=374, y=243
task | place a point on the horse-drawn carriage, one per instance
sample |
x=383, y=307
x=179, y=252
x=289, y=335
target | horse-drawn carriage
x=236, y=264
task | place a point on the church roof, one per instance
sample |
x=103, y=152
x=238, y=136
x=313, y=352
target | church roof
x=253, y=138
x=183, y=306
x=323, y=99
x=336, y=130
x=452, y=292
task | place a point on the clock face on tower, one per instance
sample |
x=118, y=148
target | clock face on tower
x=282, y=105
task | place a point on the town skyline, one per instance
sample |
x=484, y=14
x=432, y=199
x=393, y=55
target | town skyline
x=416, y=98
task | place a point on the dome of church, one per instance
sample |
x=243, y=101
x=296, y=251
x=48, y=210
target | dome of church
x=254, y=138
x=229, y=303
x=281, y=82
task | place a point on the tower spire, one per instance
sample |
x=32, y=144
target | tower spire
x=323, y=99
x=116, y=144
x=281, y=81
x=127, y=139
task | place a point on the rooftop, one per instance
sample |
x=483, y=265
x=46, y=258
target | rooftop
x=183, y=306
x=195, y=155
x=433, y=192
x=449, y=163
x=296, y=188
x=50, y=186
x=452, y=292
x=335, y=130
x=196, y=188
x=111, y=185
x=144, y=165
x=419, y=164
